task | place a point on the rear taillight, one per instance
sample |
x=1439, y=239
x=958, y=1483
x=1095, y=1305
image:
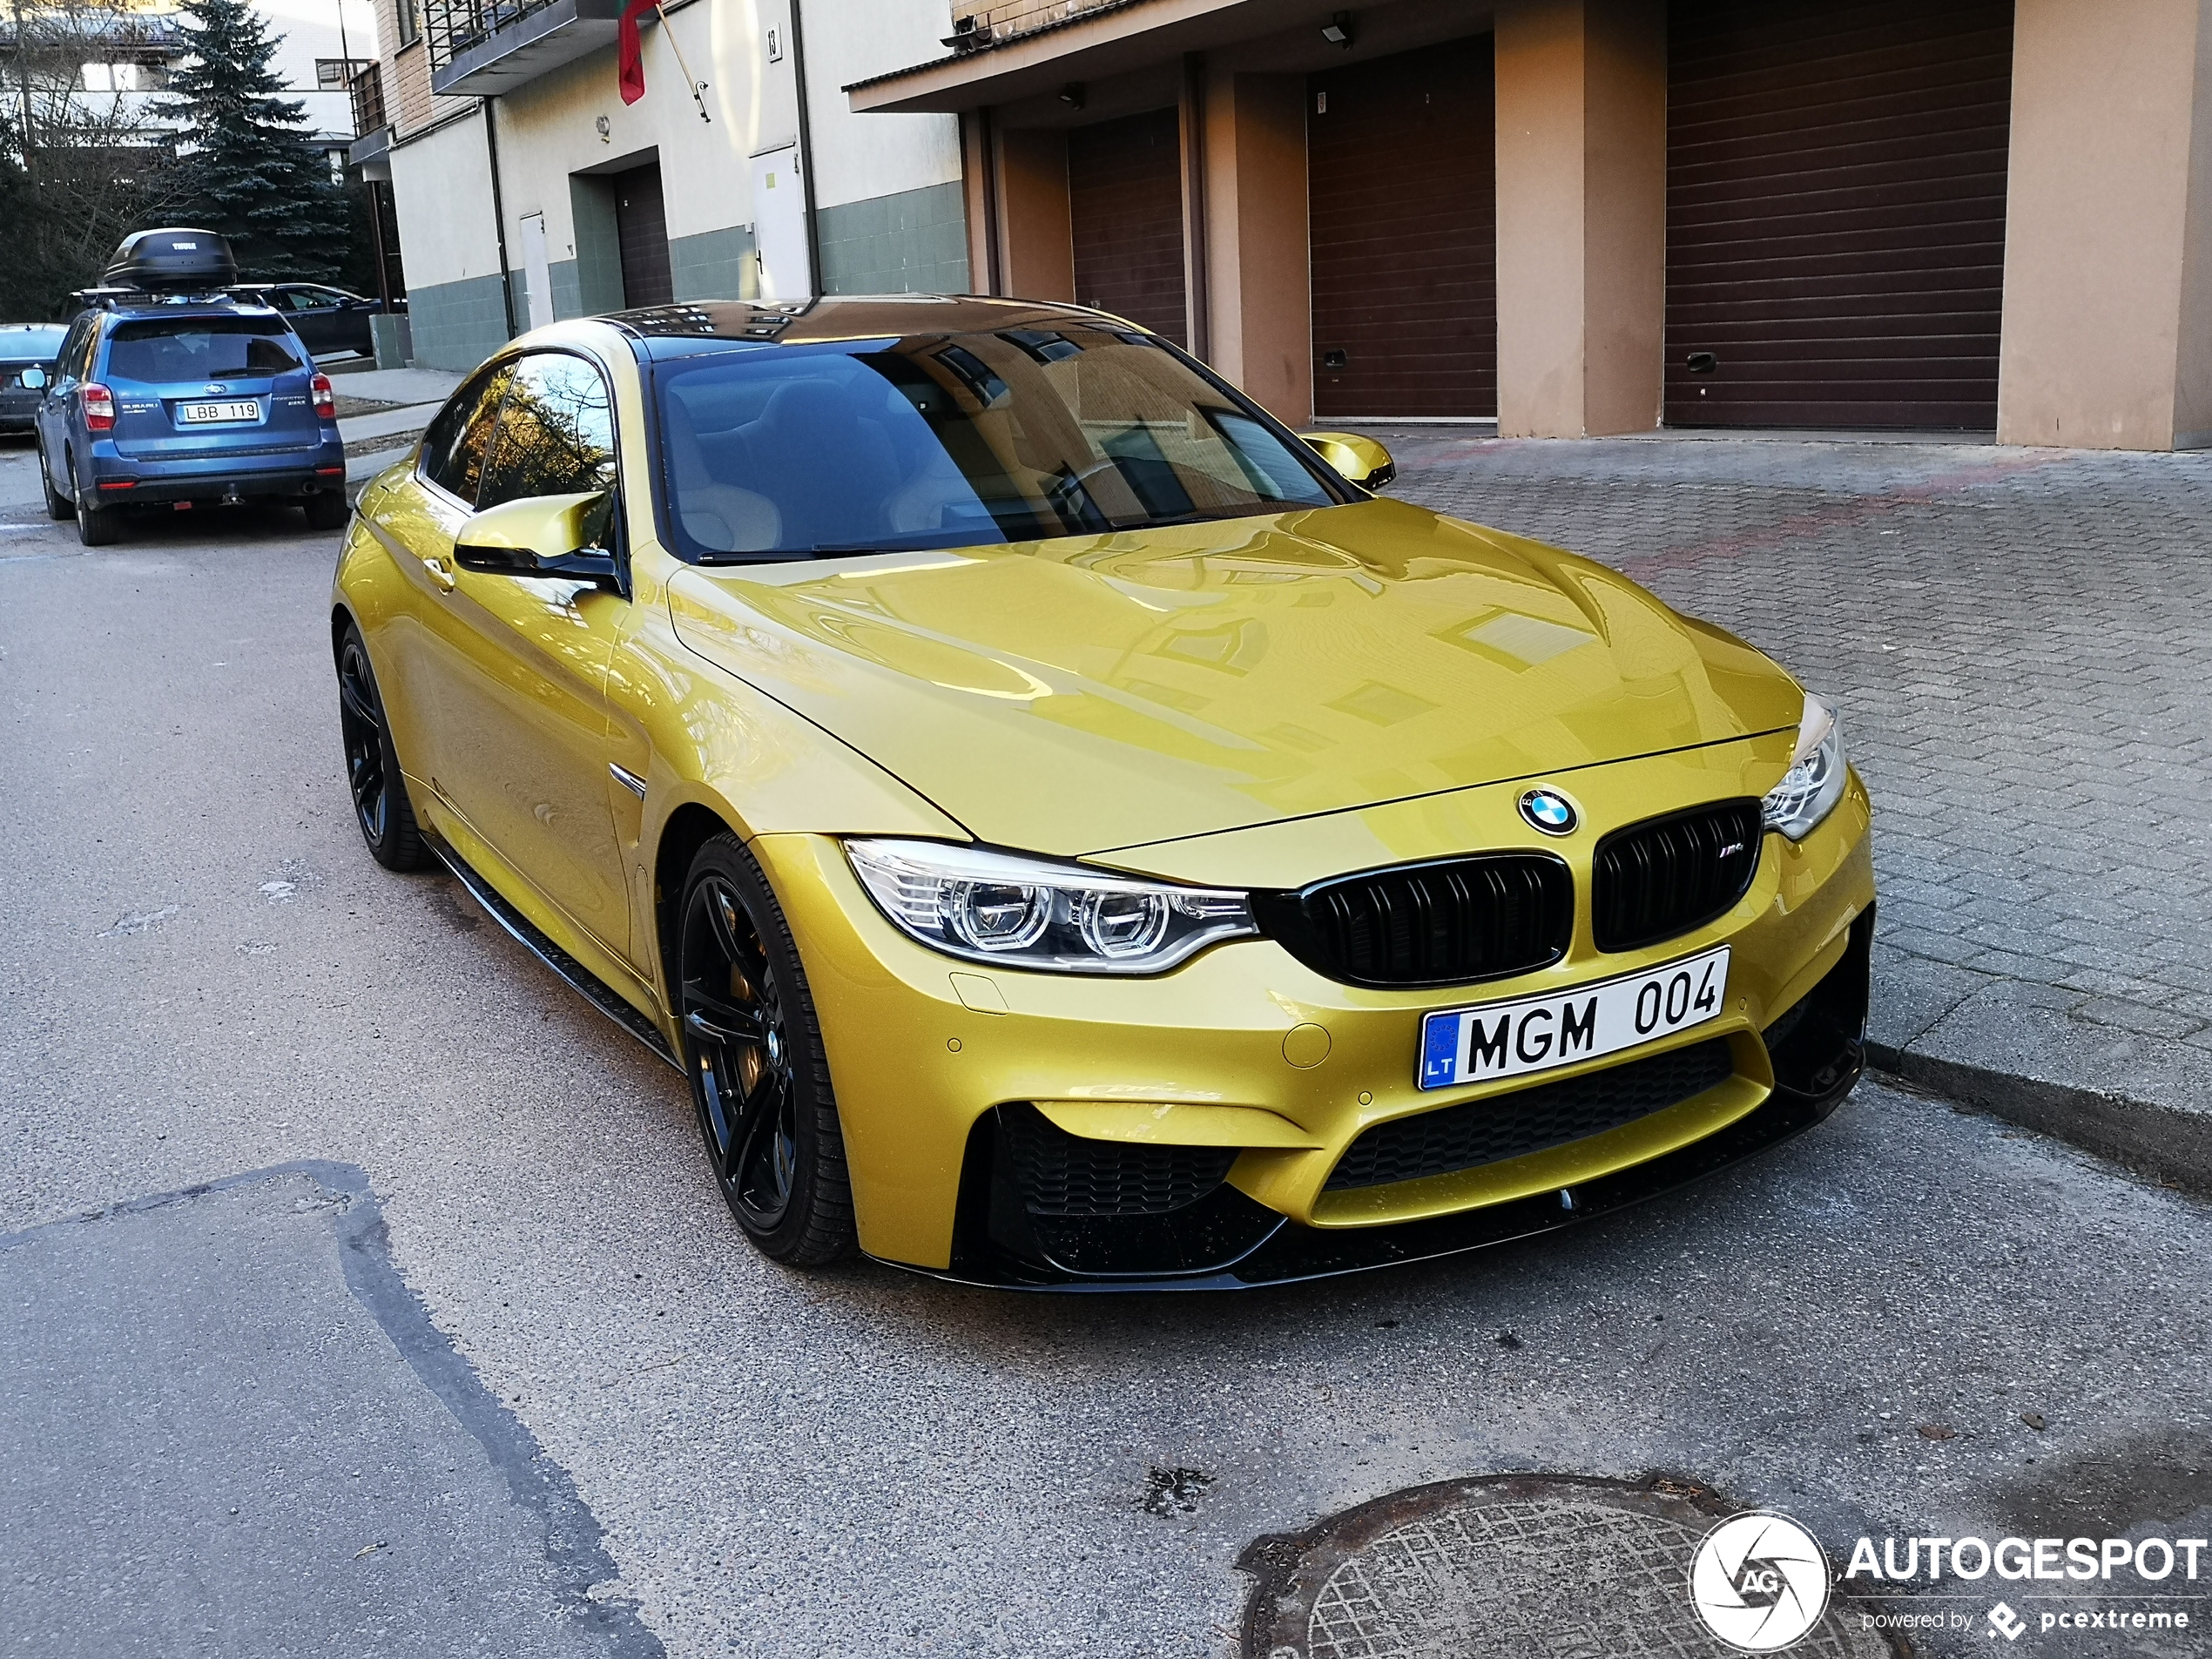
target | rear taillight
x=99, y=407
x=325, y=400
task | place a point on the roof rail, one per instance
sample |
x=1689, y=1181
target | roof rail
x=109, y=298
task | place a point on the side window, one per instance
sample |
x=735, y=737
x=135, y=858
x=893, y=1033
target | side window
x=453, y=449
x=556, y=432
x=69, y=364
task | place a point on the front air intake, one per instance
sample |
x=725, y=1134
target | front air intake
x=1451, y=922
x=1060, y=1174
x=1498, y=1127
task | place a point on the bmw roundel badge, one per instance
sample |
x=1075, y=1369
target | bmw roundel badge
x=1548, y=810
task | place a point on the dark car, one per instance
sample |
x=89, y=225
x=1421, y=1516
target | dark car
x=329, y=320
x=26, y=347
x=186, y=401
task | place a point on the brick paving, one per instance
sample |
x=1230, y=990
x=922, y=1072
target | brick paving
x=2020, y=642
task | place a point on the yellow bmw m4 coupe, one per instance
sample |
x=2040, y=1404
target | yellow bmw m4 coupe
x=1068, y=829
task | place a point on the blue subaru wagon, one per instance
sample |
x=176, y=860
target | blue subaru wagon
x=175, y=402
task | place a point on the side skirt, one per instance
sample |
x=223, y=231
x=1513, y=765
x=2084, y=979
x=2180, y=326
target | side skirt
x=526, y=933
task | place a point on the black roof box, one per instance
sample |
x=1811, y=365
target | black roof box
x=179, y=260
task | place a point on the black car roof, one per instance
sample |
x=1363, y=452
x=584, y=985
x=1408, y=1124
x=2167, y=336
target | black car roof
x=845, y=316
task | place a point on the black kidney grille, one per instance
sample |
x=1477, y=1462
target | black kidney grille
x=1529, y=1120
x=1060, y=1174
x=1445, y=923
x=1668, y=875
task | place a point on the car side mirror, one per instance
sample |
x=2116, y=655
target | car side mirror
x=32, y=380
x=1359, y=459
x=551, y=536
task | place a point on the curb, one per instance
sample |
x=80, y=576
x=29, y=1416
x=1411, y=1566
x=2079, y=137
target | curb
x=2163, y=1142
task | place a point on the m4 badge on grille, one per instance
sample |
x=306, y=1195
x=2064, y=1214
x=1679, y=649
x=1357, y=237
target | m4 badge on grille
x=1533, y=1034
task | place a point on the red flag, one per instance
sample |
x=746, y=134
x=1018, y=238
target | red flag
x=630, y=63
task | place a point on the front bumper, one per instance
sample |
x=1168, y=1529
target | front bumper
x=942, y=1069
x=1287, y=1253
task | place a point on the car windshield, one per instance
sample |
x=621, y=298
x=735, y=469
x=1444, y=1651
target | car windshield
x=200, y=348
x=958, y=440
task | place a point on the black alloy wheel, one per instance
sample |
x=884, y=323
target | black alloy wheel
x=380, y=806
x=759, y=1078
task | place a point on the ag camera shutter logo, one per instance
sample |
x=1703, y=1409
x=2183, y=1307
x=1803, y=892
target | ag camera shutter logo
x=1759, y=1582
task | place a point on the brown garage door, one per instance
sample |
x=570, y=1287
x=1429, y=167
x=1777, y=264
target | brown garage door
x=1401, y=164
x=1836, y=211
x=1125, y=207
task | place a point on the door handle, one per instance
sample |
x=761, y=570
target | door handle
x=441, y=573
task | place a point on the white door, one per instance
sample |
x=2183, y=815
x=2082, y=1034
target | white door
x=779, y=224
x=537, y=270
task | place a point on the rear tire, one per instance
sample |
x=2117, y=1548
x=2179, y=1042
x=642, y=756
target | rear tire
x=58, y=506
x=328, y=510
x=760, y=1078
x=380, y=806
x=96, y=526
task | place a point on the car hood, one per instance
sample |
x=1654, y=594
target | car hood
x=1090, y=693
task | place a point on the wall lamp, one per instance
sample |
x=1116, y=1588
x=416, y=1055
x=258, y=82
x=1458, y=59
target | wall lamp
x=1338, y=30
x=1072, y=94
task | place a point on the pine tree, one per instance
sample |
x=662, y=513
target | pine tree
x=250, y=172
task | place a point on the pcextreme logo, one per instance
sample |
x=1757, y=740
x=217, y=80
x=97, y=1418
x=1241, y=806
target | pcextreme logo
x=1759, y=1582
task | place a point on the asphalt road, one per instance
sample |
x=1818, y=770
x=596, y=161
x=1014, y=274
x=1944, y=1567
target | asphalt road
x=205, y=976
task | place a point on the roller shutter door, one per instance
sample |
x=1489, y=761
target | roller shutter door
x=1125, y=208
x=1836, y=211
x=1401, y=165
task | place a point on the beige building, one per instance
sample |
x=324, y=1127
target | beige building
x=527, y=189
x=1593, y=216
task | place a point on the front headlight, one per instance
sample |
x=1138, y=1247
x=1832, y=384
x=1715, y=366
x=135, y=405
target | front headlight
x=1020, y=912
x=1809, y=790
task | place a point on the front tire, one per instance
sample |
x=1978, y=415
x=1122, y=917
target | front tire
x=761, y=1079
x=380, y=806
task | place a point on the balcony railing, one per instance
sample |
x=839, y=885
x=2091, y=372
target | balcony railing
x=365, y=91
x=453, y=26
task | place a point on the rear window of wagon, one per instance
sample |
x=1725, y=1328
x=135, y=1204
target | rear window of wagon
x=165, y=351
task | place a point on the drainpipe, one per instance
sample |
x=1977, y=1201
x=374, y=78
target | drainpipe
x=806, y=152
x=489, y=105
x=1194, y=205
x=988, y=162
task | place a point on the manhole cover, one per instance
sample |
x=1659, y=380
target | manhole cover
x=1513, y=1566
